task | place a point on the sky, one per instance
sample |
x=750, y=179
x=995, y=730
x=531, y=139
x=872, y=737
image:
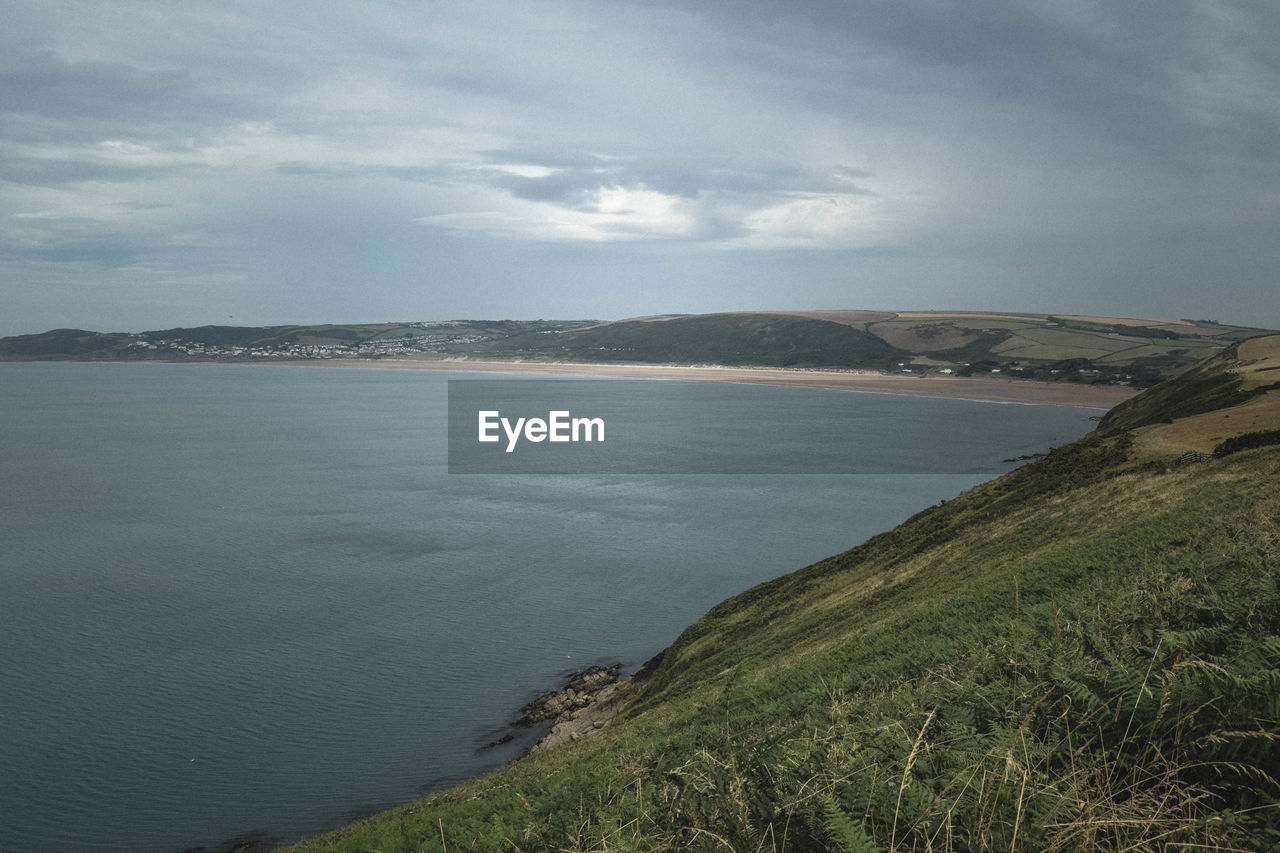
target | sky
x=173, y=163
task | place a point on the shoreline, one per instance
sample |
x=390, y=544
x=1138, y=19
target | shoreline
x=981, y=388
x=1004, y=390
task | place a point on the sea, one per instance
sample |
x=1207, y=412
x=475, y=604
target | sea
x=251, y=600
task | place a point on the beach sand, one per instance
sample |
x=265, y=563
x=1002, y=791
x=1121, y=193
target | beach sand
x=989, y=387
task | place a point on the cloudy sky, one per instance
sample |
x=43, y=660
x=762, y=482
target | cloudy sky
x=172, y=163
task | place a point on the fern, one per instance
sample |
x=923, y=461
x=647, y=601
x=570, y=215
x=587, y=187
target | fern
x=843, y=833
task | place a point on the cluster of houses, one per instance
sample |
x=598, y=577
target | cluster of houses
x=386, y=348
x=1073, y=373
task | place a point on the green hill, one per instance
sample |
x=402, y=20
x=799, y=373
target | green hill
x=1083, y=654
x=769, y=340
x=64, y=344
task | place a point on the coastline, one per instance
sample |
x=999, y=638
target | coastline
x=1004, y=390
x=585, y=703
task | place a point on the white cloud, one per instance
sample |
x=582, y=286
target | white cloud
x=523, y=170
x=606, y=214
x=813, y=220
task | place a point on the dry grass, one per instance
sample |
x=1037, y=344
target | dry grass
x=1127, y=321
x=1126, y=356
x=908, y=338
x=1059, y=344
x=1259, y=361
x=1259, y=366
x=857, y=319
x=971, y=315
x=1201, y=433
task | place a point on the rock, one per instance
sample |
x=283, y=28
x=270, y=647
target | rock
x=507, y=738
x=578, y=692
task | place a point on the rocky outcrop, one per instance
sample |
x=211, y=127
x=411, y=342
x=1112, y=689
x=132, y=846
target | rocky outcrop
x=585, y=720
x=588, y=700
x=579, y=691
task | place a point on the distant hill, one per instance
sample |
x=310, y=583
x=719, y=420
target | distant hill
x=1033, y=346
x=1122, y=350
x=1083, y=654
x=255, y=343
x=766, y=340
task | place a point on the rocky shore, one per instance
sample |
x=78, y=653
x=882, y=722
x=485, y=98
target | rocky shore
x=578, y=692
x=585, y=703
x=588, y=700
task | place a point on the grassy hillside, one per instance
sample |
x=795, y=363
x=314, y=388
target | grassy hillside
x=770, y=340
x=1083, y=654
x=64, y=344
x=1033, y=346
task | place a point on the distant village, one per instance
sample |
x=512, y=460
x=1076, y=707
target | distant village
x=409, y=344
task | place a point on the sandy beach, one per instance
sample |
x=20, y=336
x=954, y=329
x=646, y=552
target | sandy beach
x=974, y=388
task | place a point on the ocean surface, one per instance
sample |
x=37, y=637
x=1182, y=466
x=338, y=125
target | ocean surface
x=244, y=598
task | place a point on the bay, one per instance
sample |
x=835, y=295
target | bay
x=241, y=598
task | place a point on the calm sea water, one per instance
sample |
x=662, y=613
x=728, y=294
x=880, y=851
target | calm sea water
x=249, y=598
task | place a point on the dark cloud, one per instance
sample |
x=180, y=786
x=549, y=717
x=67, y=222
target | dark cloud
x=39, y=82
x=1172, y=73
x=50, y=100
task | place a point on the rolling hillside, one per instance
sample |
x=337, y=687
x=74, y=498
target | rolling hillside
x=1083, y=654
x=1111, y=350
x=1033, y=346
x=766, y=340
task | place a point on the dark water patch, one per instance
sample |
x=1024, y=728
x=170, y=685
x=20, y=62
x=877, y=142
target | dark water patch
x=249, y=842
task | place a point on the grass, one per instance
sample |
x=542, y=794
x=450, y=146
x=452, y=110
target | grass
x=774, y=340
x=1150, y=350
x=1202, y=433
x=917, y=337
x=1060, y=344
x=1110, y=343
x=1081, y=655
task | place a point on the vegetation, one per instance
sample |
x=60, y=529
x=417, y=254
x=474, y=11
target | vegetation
x=371, y=340
x=771, y=340
x=62, y=343
x=1081, y=655
x=1205, y=387
x=1058, y=349
x=1031, y=346
x=1263, y=438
